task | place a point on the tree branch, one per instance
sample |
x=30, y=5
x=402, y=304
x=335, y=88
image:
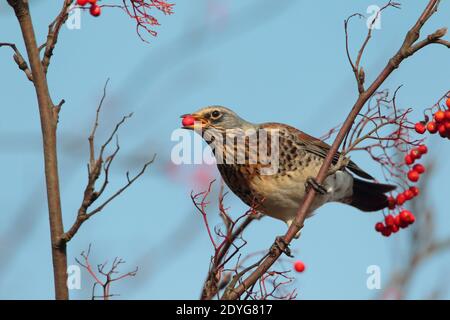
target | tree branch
x=95, y=167
x=48, y=126
x=53, y=33
x=18, y=58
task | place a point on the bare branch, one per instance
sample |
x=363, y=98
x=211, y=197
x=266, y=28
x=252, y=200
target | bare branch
x=18, y=58
x=53, y=33
x=126, y=186
x=356, y=68
x=96, y=166
x=107, y=273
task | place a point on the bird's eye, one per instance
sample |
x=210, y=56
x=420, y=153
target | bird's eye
x=215, y=114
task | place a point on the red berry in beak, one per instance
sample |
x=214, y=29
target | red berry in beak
x=420, y=128
x=299, y=266
x=188, y=121
x=413, y=176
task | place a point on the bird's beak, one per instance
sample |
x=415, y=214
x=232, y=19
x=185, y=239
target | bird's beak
x=193, y=121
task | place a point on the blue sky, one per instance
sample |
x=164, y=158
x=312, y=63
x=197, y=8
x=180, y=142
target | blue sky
x=269, y=61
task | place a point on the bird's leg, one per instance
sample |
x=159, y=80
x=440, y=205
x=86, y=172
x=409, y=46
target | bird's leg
x=289, y=222
x=282, y=245
x=342, y=162
x=319, y=188
x=312, y=183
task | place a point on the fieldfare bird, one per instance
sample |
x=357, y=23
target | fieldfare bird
x=294, y=157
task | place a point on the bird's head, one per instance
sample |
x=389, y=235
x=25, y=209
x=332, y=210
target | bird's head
x=214, y=117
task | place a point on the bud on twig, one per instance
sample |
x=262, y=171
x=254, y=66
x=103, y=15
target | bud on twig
x=439, y=33
x=361, y=75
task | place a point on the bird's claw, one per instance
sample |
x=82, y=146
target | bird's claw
x=282, y=245
x=312, y=183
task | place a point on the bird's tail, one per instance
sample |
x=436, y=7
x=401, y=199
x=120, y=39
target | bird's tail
x=369, y=196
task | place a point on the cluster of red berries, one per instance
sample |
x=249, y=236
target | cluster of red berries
x=401, y=198
x=299, y=266
x=404, y=218
x=95, y=9
x=440, y=123
x=393, y=223
x=417, y=169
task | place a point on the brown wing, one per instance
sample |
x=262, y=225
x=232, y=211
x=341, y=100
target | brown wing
x=319, y=148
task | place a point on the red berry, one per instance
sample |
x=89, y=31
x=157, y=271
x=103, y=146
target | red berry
x=391, y=203
x=447, y=115
x=394, y=228
x=188, y=121
x=447, y=126
x=413, y=176
x=415, y=191
x=379, y=226
x=403, y=224
x=386, y=232
x=412, y=218
x=442, y=130
x=401, y=199
x=439, y=116
x=389, y=220
x=92, y=1
x=299, y=266
x=408, y=194
x=420, y=128
x=422, y=149
x=419, y=168
x=432, y=127
x=447, y=102
x=415, y=154
x=95, y=10
x=397, y=220
x=409, y=160
x=82, y=2
x=405, y=216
